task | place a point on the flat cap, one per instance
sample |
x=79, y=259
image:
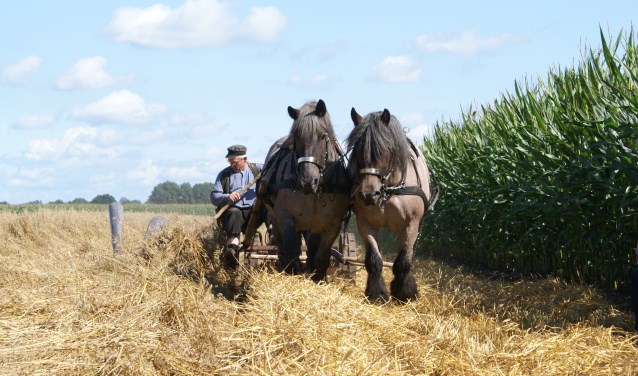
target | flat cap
x=236, y=151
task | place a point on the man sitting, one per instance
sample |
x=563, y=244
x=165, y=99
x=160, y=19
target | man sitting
x=226, y=189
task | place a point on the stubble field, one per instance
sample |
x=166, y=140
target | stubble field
x=69, y=306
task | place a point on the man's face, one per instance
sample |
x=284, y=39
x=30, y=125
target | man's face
x=237, y=163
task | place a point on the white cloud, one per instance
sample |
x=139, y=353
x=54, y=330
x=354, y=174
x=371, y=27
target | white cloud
x=33, y=177
x=466, y=43
x=416, y=126
x=146, y=173
x=182, y=174
x=15, y=73
x=120, y=106
x=34, y=173
x=264, y=24
x=34, y=121
x=196, y=23
x=86, y=74
x=397, y=69
x=55, y=148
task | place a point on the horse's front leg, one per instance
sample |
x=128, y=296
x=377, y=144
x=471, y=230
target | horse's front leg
x=313, y=240
x=403, y=286
x=289, y=244
x=375, y=285
x=321, y=259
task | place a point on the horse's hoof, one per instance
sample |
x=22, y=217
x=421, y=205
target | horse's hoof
x=317, y=277
x=404, y=289
x=376, y=292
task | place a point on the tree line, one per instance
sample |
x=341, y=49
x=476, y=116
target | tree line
x=167, y=192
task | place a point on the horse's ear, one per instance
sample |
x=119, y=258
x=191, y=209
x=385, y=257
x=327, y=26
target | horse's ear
x=356, y=118
x=385, y=116
x=321, y=108
x=294, y=113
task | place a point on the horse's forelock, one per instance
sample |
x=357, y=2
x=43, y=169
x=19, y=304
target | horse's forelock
x=372, y=140
x=310, y=127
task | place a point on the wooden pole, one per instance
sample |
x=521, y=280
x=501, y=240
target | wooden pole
x=116, y=214
x=241, y=192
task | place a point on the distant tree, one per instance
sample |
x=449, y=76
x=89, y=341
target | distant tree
x=4, y=203
x=185, y=194
x=35, y=202
x=201, y=193
x=58, y=201
x=165, y=193
x=125, y=200
x=79, y=201
x=103, y=199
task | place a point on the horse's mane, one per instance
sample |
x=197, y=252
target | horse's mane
x=373, y=139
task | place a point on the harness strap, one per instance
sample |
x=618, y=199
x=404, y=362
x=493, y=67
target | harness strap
x=412, y=191
x=372, y=171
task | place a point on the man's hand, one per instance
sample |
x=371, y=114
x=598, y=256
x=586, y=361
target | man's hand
x=234, y=197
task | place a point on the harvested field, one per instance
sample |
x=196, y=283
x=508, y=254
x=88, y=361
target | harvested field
x=69, y=306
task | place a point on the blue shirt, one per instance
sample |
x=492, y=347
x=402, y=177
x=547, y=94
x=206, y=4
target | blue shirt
x=237, y=181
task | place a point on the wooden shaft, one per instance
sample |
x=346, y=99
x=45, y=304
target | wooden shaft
x=241, y=192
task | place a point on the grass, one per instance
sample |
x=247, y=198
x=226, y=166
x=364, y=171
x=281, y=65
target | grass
x=69, y=306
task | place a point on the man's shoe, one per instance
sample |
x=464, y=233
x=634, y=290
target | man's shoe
x=229, y=257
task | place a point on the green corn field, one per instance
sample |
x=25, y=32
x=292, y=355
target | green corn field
x=545, y=179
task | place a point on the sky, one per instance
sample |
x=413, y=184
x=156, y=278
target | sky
x=115, y=97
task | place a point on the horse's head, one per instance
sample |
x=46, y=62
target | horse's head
x=313, y=135
x=379, y=155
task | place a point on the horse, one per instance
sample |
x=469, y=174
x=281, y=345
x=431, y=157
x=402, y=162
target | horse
x=391, y=190
x=306, y=189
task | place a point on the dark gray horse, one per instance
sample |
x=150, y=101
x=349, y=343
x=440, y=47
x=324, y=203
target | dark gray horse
x=306, y=188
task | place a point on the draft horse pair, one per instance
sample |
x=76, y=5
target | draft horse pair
x=309, y=189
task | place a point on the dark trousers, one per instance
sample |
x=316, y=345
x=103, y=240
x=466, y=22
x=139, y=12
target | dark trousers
x=234, y=220
x=634, y=294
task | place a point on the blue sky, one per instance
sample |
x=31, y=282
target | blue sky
x=118, y=96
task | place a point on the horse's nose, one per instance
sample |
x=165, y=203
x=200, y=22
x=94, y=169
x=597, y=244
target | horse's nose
x=310, y=187
x=369, y=198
